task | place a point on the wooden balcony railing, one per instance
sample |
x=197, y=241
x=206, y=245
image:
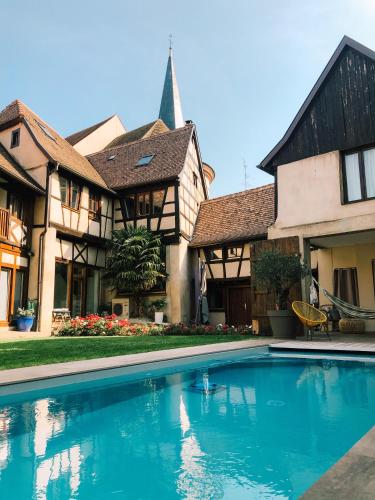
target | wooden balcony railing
x=4, y=223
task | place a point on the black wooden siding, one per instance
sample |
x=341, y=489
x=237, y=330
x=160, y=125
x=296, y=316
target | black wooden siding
x=341, y=116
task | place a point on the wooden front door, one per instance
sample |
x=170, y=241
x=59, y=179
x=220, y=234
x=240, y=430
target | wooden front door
x=239, y=306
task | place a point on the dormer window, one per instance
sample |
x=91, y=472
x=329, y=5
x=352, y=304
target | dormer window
x=144, y=160
x=15, y=139
x=359, y=175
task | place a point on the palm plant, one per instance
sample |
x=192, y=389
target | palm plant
x=134, y=264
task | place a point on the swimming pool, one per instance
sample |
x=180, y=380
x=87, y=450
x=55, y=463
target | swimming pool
x=270, y=428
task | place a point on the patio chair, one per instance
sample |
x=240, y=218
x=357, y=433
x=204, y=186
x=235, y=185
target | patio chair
x=310, y=317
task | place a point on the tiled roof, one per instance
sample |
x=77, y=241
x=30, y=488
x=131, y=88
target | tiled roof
x=154, y=128
x=234, y=217
x=54, y=146
x=169, y=150
x=79, y=136
x=9, y=165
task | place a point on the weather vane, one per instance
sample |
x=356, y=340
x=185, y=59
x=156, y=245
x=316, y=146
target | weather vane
x=170, y=41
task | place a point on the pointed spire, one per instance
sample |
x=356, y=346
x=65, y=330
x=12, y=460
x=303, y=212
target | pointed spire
x=170, y=106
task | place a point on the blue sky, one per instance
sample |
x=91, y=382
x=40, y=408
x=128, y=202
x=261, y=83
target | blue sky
x=244, y=67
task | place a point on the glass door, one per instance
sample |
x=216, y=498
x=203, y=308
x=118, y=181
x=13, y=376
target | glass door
x=78, y=290
x=19, y=291
x=5, y=281
x=93, y=290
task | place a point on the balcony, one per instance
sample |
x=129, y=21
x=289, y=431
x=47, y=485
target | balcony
x=4, y=223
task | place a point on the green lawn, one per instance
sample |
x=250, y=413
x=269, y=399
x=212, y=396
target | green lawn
x=55, y=350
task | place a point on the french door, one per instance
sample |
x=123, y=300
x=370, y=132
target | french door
x=77, y=287
x=78, y=305
x=5, y=295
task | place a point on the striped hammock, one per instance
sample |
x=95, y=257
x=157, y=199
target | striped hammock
x=347, y=309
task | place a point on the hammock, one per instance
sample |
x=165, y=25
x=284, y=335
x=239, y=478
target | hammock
x=348, y=309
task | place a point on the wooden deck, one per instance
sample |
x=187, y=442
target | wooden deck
x=339, y=345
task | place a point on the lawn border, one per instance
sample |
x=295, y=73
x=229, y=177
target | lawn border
x=41, y=372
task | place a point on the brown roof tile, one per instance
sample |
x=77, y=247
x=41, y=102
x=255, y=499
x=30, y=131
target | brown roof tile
x=9, y=165
x=79, y=136
x=57, y=148
x=234, y=217
x=154, y=128
x=169, y=150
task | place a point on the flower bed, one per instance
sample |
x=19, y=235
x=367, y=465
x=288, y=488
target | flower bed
x=106, y=326
x=109, y=326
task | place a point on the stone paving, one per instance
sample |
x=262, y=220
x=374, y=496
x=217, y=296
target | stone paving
x=352, y=477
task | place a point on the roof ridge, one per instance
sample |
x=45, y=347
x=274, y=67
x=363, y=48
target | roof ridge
x=239, y=193
x=191, y=125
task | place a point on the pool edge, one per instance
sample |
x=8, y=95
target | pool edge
x=54, y=370
x=352, y=476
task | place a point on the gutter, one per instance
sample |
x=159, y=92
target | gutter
x=50, y=170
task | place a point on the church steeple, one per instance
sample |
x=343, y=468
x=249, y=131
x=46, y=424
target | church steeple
x=170, y=106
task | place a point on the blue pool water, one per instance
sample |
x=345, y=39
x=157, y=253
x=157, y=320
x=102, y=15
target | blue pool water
x=270, y=430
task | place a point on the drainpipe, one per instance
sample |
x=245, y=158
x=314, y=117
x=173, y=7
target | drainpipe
x=51, y=168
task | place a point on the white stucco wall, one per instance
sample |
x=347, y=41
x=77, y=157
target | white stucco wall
x=101, y=137
x=309, y=193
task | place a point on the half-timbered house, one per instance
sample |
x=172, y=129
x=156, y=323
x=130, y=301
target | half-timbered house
x=324, y=169
x=160, y=183
x=224, y=234
x=71, y=219
x=18, y=191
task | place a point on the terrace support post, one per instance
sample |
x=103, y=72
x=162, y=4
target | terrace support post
x=304, y=244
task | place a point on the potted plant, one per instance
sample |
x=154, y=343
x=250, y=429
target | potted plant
x=278, y=272
x=157, y=307
x=25, y=319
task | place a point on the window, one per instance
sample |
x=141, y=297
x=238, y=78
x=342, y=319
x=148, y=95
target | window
x=61, y=286
x=19, y=290
x=94, y=205
x=70, y=193
x=195, y=179
x=234, y=252
x=359, y=175
x=216, y=254
x=130, y=206
x=157, y=202
x=215, y=296
x=15, y=206
x=92, y=290
x=345, y=285
x=144, y=160
x=15, y=139
x=46, y=131
x=143, y=204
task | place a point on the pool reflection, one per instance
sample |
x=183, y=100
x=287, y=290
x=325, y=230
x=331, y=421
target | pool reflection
x=271, y=431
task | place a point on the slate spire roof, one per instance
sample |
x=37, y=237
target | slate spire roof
x=170, y=106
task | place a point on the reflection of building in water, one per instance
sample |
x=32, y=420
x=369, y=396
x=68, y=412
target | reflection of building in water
x=49, y=425
x=4, y=439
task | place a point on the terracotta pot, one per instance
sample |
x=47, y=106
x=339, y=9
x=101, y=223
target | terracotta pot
x=283, y=324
